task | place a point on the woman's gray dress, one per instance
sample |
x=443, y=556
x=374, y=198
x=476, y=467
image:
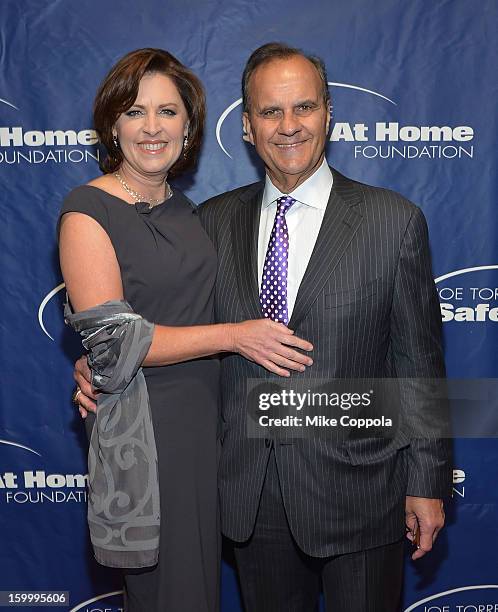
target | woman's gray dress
x=168, y=268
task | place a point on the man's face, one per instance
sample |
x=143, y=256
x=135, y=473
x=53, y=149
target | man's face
x=287, y=120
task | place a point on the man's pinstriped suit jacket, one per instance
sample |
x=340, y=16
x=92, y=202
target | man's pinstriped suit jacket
x=368, y=304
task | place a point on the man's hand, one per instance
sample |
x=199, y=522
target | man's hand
x=426, y=515
x=83, y=376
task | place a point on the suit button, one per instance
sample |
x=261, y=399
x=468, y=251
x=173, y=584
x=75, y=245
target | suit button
x=268, y=442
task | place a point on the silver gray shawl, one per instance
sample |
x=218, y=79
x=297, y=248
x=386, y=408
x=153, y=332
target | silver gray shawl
x=123, y=500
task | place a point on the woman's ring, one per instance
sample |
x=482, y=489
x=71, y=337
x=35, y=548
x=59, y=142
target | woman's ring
x=75, y=396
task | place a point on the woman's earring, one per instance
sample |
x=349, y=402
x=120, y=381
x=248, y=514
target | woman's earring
x=185, y=145
x=115, y=142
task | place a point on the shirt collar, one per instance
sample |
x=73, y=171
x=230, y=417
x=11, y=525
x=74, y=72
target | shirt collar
x=314, y=192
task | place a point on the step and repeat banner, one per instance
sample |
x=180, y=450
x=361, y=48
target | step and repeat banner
x=414, y=93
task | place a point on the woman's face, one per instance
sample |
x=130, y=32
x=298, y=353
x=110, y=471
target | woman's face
x=151, y=132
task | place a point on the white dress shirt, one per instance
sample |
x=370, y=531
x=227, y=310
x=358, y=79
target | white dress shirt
x=304, y=220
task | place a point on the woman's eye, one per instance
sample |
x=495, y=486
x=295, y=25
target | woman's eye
x=135, y=112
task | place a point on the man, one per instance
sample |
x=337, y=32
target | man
x=355, y=280
x=360, y=289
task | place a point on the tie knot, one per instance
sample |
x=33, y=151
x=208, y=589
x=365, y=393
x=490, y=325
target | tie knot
x=284, y=203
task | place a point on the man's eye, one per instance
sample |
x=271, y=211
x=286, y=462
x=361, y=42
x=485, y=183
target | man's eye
x=304, y=108
x=271, y=112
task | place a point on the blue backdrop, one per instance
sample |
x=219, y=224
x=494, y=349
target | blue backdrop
x=413, y=86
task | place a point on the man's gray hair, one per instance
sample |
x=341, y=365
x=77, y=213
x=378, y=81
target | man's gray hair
x=274, y=51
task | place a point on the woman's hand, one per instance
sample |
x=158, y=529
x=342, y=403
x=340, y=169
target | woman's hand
x=86, y=397
x=271, y=345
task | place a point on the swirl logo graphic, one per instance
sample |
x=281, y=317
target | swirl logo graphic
x=21, y=446
x=43, y=305
x=448, y=598
x=464, y=271
x=87, y=605
x=7, y=103
x=238, y=102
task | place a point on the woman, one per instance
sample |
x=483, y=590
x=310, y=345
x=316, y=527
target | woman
x=128, y=236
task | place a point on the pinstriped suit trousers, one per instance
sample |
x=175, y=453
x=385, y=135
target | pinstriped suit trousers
x=276, y=576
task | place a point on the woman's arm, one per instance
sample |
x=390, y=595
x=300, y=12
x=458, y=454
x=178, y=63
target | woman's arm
x=88, y=262
x=92, y=276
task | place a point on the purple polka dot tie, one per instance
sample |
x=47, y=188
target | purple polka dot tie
x=273, y=294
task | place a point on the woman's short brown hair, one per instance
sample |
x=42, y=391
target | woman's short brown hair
x=119, y=90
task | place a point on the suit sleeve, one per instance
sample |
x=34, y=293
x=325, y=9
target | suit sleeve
x=208, y=220
x=417, y=351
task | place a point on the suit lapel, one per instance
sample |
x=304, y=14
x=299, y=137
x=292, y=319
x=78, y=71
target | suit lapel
x=245, y=230
x=340, y=222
